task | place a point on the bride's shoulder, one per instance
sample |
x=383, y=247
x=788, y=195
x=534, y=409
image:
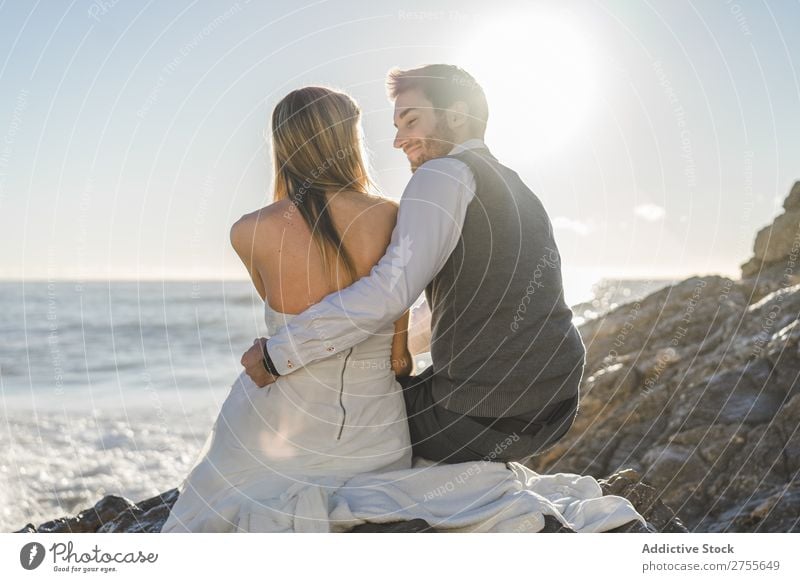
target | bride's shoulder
x=374, y=214
x=259, y=221
x=375, y=204
x=271, y=213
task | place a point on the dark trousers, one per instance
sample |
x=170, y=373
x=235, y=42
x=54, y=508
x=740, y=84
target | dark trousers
x=444, y=436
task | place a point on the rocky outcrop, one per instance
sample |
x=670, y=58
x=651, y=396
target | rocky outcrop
x=113, y=514
x=776, y=252
x=695, y=387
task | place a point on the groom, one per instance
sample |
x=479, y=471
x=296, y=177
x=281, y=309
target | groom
x=507, y=359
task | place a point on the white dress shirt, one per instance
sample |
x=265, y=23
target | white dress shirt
x=429, y=223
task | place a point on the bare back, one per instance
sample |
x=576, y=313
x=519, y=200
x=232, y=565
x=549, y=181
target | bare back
x=286, y=266
x=289, y=264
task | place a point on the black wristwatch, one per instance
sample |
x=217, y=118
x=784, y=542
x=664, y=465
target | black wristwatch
x=268, y=365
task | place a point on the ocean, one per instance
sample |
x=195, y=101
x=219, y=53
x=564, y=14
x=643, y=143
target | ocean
x=112, y=387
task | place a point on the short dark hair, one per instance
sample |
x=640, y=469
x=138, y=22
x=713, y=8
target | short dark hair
x=443, y=85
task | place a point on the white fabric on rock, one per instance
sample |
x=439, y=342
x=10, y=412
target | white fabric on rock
x=483, y=496
x=327, y=448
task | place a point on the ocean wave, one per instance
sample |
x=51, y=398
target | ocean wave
x=58, y=463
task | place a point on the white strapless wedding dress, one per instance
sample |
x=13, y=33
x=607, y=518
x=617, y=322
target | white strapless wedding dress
x=314, y=428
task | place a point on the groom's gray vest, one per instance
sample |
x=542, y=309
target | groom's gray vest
x=503, y=342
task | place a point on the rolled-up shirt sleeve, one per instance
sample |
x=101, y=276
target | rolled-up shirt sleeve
x=429, y=223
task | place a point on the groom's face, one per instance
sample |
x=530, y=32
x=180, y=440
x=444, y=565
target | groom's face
x=422, y=132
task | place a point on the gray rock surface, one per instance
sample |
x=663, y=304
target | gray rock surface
x=776, y=252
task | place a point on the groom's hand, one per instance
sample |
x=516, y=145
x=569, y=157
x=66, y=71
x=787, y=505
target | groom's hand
x=253, y=362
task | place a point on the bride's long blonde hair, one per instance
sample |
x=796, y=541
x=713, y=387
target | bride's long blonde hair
x=317, y=147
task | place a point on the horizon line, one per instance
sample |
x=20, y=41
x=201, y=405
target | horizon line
x=665, y=277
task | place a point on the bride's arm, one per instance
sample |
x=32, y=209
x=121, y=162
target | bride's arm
x=419, y=329
x=402, y=364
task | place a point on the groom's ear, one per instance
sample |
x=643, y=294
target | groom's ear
x=458, y=115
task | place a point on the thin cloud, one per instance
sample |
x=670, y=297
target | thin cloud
x=570, y=224
x=650, y=212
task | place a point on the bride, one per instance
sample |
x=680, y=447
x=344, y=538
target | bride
x=337, y=417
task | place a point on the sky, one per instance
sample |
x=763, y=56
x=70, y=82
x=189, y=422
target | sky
x=660, y=136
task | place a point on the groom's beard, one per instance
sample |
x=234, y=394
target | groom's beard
x=435, y=145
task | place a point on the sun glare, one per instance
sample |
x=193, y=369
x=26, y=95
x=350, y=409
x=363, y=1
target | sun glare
x=539, y=77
